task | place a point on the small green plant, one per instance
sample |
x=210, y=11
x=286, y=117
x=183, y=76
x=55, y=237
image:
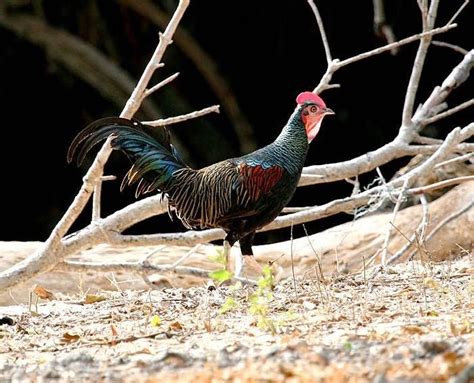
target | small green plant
x=220, y=275
x=229, y=304
x=260, y=300
x=218, y=256
x=155, y=321
x=347, y=346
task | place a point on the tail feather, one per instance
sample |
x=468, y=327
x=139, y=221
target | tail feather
x=154, y=158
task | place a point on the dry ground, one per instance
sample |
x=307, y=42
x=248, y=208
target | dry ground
x=413, y=323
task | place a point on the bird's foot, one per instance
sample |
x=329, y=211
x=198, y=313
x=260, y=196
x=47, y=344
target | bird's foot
x=246, y=262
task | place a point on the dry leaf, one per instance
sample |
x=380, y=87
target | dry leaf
x=461, y=329
x=175, y=326
x=208, y=326
x=114, y=330
x=412, y=330
x=91, y=298
x=42, y=293
x=70, y=338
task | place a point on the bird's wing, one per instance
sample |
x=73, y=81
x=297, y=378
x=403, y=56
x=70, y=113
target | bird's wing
x=223, y=192
x=255, y=181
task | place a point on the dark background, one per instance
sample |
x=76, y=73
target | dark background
x=267, y=51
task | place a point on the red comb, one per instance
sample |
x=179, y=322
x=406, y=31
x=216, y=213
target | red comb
x=309, y=97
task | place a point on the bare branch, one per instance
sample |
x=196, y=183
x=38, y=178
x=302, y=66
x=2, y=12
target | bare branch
x=440, y=185
x=111, y=226
x=322, y=31
x=138, y=268
x=449, y=112
x=427, y=140
x=418, y=65
x=184, y=117
x=52, y=251
x=109, y=229
x=337, y=64
x=458, y=76
x=399, y=147
x=208, y=68
x=138, y=94
x=367, y=162
x=380, y=25
x=453, y=138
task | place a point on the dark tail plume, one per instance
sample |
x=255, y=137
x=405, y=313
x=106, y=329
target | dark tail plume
x=154, y=158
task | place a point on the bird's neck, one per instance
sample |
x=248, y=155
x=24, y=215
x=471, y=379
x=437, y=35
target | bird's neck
x=292, y=143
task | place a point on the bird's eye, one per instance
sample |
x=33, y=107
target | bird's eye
x=314, y=109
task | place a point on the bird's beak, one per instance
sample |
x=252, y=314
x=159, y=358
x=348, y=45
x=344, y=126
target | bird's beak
x=328, y=111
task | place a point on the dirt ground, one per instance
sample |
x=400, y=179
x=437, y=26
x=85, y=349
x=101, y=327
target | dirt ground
x=413, y=323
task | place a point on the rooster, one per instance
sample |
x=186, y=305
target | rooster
x=239, y=195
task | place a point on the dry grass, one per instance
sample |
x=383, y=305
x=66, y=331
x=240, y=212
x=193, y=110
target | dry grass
x=412, y=323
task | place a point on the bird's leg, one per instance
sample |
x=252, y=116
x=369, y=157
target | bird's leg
x=238, y=264
x=247, y=257
x=227, y=247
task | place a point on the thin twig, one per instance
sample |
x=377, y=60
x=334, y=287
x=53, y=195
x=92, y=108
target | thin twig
x=458, y=12
x=380, y=24
x=337, y=64
x=445, y=221
x=449, y=112
x=455, y=48
x=184, y=117
x=161, y=84
x=318, y=259
x=456, y=159
x=410, y=241
x=139, y=268
x=397, y=44
x=400, y=198
x=426, y=218
x=322, y=31
x=292, y=262
x=186, y=256
x=97, y=196
x=440, y=185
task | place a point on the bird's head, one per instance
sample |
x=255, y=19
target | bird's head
x=313, y=109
